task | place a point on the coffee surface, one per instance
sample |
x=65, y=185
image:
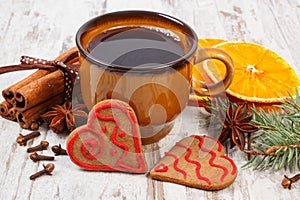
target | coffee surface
x=136, y=46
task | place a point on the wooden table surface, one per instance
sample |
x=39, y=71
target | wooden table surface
x=47, y=28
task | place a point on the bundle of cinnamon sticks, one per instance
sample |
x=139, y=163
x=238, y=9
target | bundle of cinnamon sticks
x=31, y=97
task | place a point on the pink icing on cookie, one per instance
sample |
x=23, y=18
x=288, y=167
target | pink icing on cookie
x=114, y=134
x=176, y=163
x=161, y=168
x=122, y=134
x=198, y=165
x=200, y=160
x=72, y=155
x=104, y=129
x=89, y=145
x=214, y=139
x=113, y=152
x=213, y=156
x=234, y=169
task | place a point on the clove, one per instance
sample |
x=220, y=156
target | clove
x=287, y=182
x=42, y=146
x=36, y=157
x=58, y=150
x=48, y=169
x=22, y=139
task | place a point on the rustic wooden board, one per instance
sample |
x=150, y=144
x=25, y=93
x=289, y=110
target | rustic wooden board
x=46, y=28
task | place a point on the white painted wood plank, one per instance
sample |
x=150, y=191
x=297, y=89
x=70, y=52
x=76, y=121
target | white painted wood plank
x=254, y=22
x=258, y=22
x=287, y=18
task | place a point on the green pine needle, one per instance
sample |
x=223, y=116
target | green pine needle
x=281, y=130
x=277, y=143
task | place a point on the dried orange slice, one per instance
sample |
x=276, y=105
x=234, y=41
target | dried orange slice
x=206, y=71
x=209, y=42
x=261, y=75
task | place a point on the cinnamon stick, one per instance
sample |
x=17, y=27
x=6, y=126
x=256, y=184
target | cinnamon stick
x=26, y=118
x=12, y=114
x=34, y=93
x=7, y=111
x=9, y=93
x=9, y=117
x=4, y=107
x=39, y=90
x=32, y=96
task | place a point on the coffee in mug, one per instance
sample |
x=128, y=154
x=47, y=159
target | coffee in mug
x=145, y=59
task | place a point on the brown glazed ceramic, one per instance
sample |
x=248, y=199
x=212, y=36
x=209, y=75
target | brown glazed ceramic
x=157, y=93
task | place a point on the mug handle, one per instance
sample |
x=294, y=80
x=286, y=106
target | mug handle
x=216, y=88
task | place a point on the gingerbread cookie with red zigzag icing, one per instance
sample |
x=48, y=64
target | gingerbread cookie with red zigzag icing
x=110, y=141
x=196, y=161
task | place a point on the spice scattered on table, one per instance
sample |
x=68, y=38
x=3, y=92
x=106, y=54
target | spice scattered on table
x=58, y=150
x=31, y=97
x=35, y=157
x=42, y=146
x=236, y=122
x=62, y=117
x=22, y=139
x=48, y=169
x=287, y=182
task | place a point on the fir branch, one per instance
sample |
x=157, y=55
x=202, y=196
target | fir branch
x=277, y=143
x=212, y=120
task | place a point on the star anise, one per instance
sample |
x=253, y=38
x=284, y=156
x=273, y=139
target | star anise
x=62, y=117
x=236, y=122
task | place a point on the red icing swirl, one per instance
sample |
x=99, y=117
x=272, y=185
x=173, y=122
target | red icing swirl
x=234, y=169
x=214, y=139
x=75, y=159
x=89, y=144
x=176, y=163
x=198, y=165
x=116, y=130
x=161, y=168
x=122, y=134
x=104, y=129
x=213, y=156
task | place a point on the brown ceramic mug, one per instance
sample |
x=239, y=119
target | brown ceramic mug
x=145, y=59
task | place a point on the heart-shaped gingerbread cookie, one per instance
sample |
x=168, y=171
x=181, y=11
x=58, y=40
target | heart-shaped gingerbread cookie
x=110, y=141
x=196, y=161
